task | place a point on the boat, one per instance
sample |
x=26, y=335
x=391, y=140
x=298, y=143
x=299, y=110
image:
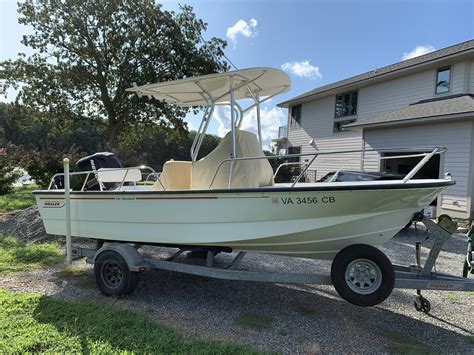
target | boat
x=228, y=201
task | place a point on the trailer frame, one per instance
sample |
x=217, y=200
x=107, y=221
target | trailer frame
x=418, y=277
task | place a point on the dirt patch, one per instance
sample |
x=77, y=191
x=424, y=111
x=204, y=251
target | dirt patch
x=25, y=225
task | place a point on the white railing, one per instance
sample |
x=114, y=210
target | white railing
x=427, y=155
x=125, y=175
x=429, y=152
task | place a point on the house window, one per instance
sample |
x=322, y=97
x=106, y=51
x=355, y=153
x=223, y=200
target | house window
x=295, y=115
x=294, y=150
x=346, y=104
x=443, y=80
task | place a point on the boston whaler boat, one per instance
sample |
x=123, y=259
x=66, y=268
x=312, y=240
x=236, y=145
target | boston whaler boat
x=228, y=201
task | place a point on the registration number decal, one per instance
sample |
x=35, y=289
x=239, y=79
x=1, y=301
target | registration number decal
x=310, y=200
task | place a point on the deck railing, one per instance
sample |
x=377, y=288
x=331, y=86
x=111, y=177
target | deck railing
x=428, y=153
x=145, y=170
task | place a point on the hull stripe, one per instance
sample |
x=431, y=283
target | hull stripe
x=150, y=198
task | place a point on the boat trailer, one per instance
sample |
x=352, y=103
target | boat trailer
x=117, y=266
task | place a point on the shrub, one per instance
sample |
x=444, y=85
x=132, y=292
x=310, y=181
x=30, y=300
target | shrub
x=8, y=175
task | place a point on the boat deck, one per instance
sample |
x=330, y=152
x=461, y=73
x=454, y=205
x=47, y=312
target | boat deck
x=301, y=186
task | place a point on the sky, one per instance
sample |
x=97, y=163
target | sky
x=315, y=42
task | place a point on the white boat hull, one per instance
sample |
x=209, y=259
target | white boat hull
x=311, y=222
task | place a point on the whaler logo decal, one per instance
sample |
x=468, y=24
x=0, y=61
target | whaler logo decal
x=53, y=204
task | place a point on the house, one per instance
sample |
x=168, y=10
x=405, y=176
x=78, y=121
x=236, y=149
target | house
x=421, y=102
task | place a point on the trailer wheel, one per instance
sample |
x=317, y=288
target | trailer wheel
x=112, y=275
x=362, y=275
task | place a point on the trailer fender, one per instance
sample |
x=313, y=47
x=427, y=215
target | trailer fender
x=134, y=259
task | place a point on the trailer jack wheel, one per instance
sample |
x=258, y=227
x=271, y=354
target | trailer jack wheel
x=465, y=269
x=422, y=304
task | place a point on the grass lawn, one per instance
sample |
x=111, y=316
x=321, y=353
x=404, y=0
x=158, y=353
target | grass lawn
x=38, y=323
x=19, y=199
x=15, y=256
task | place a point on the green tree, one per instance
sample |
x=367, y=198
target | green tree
x=149, y=145
x=39, y=141
x=35, y=130
x=88, y=52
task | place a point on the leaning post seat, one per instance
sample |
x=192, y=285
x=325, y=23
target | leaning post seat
x=176, y=175
x=245, y=173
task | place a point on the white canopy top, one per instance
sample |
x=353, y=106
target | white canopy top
x=215, y=88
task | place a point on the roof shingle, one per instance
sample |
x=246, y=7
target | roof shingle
x=434, y=108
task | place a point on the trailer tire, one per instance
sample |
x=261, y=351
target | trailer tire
x=362, y=275
x=112, y=275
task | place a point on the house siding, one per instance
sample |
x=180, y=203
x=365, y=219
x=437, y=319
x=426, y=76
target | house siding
x=455, y=136
x=317, y=122
x=391, y=95
x=457, y=78
x=471, y=77
x=394, y=94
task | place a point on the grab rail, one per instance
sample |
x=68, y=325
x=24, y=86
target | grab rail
x=334, y=177
x=95, y=172
x=429, y=153
x=286, y=164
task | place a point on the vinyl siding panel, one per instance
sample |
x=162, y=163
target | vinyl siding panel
x=391, y=95
x=317, y=122
x=471, y=84
x=340, y=141
x=394, y=94
x=457, y=78
x=456, y=137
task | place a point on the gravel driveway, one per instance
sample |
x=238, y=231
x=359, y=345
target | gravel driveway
x=291, y=318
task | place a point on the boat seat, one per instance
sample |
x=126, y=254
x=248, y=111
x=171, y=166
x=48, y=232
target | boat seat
x=176, y=175
x=119, y=175
x=245, y=174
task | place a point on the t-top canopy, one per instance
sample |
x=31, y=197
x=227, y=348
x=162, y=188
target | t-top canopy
x=215, y=88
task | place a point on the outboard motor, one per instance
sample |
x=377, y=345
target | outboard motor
x=92, y=163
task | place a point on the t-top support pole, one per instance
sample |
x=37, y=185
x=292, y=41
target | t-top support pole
x=67, y=205
x=259, y=125
x=232, y=118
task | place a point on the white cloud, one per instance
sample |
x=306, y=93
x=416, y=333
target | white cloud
x=417, y=51
x=191, y=126
x=242, y=28
x=270, y=118
x=303, y=69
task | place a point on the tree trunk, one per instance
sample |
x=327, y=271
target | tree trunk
x=112, y=135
